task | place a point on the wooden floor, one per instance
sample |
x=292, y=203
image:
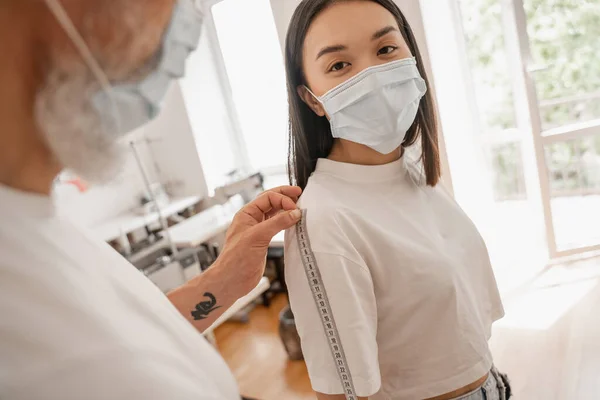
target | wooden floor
x=549, y=342
x=258, y=359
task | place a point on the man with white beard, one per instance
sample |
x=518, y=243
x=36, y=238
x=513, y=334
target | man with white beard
x=76, y=320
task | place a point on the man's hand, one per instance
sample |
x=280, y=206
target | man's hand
x=241, y=264
x=252, y=230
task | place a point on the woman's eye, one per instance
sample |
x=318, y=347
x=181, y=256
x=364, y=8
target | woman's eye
x=338, y=66
x=386, y=50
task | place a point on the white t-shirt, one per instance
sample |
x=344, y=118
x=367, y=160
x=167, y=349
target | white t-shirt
x=77, y=321
x=408, y=278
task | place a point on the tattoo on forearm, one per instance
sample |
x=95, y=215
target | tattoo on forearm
x=205, y=307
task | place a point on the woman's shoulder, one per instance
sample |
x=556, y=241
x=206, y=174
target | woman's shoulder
x=321, y=195
x=323, y=211
x=321, y=205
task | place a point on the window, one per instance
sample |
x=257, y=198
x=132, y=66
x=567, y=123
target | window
x=564, y=36
x=574, y=166
x=489, y=66
x=534, y=72
x=253, y=60
x=488, y=59
x=507, y=170
x=209, y=114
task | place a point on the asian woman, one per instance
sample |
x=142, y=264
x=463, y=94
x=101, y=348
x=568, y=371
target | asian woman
x=390, y=282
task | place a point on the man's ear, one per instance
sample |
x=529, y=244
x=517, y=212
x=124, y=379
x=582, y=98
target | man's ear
x=310, y=101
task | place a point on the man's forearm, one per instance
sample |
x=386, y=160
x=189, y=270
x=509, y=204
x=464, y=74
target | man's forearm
x=205, y=298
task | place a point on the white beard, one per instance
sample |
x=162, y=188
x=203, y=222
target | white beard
x=78, y=137
x=72, y=127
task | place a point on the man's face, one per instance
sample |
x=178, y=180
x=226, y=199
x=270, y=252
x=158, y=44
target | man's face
x=125, y=38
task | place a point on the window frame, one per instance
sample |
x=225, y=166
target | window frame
x=540, y=137
x=529, y=133
x=241, y=149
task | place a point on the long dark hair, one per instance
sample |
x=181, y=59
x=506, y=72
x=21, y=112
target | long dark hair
x=310, y=136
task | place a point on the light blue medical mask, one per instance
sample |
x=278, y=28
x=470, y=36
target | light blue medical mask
x=377, y=106
x=125, y=107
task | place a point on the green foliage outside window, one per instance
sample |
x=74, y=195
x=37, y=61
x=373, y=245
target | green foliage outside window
x=564, y=36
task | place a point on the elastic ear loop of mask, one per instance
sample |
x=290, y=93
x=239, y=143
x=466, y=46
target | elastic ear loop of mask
x=313, y=95
x=67, y=24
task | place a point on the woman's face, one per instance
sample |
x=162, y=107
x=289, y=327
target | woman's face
x=345, y=39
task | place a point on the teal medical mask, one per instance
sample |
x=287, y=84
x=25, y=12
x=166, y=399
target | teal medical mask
x=126, y=107
x=377, y=106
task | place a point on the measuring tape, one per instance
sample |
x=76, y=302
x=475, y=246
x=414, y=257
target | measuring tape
x=322, y=302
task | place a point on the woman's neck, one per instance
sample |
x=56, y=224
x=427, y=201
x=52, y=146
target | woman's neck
x=354, y=153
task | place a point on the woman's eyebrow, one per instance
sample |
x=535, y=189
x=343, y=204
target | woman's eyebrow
x=338, y=47
x=331, y=49
x=383, y=31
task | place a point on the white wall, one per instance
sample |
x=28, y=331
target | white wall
x=284, y=9
x=282, y=13
x=210, y=115
x=173, y=146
